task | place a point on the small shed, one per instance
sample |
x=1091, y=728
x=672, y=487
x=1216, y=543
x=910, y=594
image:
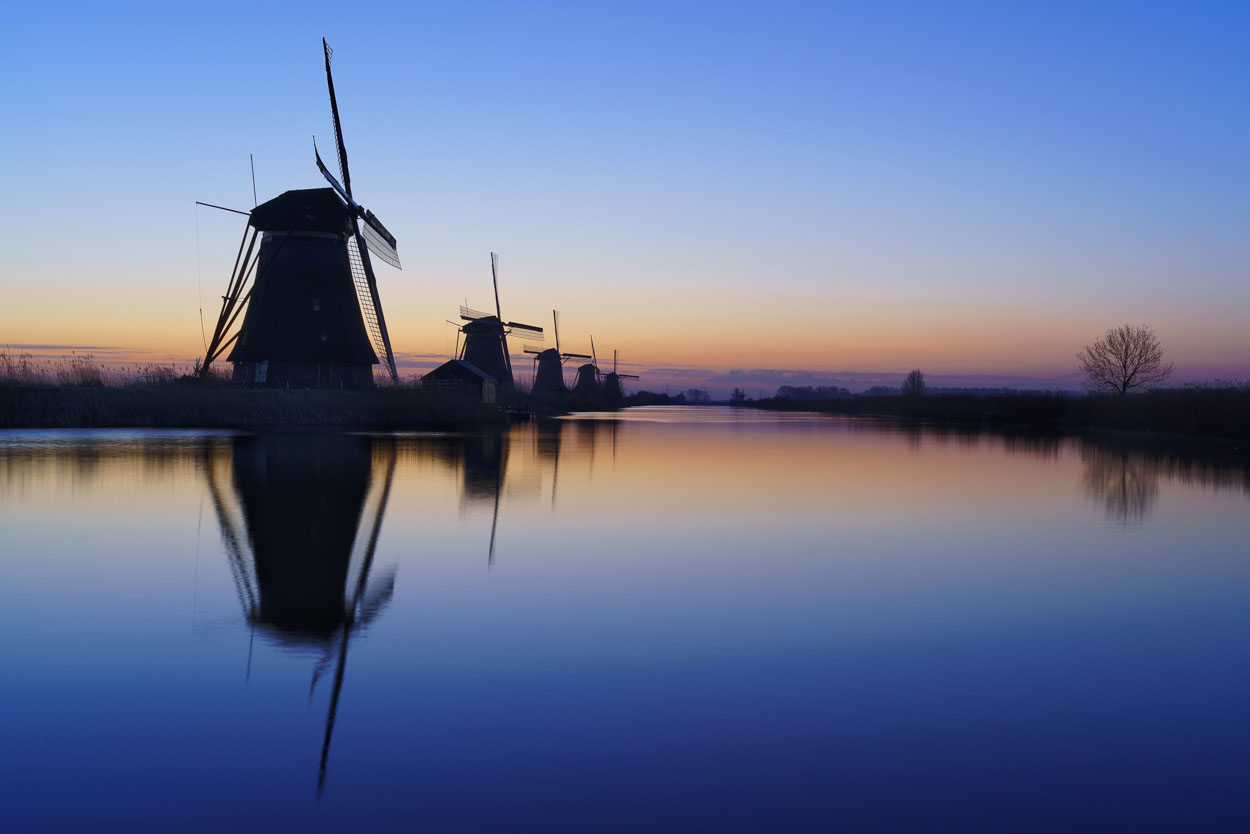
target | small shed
x=459, y=375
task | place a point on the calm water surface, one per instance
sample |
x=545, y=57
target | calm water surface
x=672, y=620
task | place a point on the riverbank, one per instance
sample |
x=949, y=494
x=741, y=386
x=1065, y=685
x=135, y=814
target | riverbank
x=223, y=407
x=1208, y=411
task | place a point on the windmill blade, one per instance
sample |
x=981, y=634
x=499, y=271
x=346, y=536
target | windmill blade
x=555, y=320
x=629, y=376
x=575, y=355
x=325, y=172
x=372, y=221
x=379, y=245
x=370, y=303
x=469, y=314
x=528, y=332
x=593, y=355
x=533, y=350
x=494, y=277
x=377, y=596
x=338, y=126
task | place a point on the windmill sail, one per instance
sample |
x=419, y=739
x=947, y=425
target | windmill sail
x=469, y=314
x=527, y=332
x=380, y=241
x=362, y=267
x=360, y=278
x=338, y=129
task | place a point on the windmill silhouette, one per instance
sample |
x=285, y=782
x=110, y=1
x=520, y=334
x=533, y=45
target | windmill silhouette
x=486, y=336
x=612, y=382
x=302, y=582
x=587, y=382
x=312, y=316
x=549, y=363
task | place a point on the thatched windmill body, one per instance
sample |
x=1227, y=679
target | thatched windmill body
x=312, y=316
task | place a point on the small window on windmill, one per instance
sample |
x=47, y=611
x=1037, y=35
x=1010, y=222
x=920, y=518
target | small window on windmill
x=317, y=305
x=323, y=335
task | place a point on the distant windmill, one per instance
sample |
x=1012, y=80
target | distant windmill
x=486, y=336
x=612, y=382
x=313, y=315
x=588, y=374
x=549, y=363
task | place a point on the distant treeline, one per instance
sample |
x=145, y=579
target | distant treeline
x=691, y=396
x=1216, y=410
x=220, y=406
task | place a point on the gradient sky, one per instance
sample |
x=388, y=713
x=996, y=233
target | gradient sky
x=972, y=188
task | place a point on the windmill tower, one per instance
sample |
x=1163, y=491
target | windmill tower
x=587, y=382
x=612, y=383
x=549, y=363
x=486, y=336
x=313, y=316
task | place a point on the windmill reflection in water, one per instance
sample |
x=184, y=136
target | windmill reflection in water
x=300, y=516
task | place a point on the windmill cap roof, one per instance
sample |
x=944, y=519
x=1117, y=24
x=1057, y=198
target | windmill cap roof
x=302, y=210
x=482, y=325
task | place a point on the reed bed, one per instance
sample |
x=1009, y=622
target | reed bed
x=76, y=391
x=221, y=407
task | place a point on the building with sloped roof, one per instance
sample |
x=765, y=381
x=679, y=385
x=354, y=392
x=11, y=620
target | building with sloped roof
x=459, y=375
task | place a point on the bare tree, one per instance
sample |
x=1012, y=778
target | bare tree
x=913, y=386
x=1126, y=358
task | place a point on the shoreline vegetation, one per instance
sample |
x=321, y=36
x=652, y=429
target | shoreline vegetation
x=79, y=393
x=1215, y=410
x=225, y=407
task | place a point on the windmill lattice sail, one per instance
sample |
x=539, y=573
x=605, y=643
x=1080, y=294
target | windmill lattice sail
x=374, y=318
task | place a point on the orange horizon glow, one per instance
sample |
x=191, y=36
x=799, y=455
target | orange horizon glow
x=743, y=331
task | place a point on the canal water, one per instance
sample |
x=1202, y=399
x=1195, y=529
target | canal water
x=666, y=619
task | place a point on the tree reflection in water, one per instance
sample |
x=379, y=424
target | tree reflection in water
x=1122, y=472
x=1125, y=484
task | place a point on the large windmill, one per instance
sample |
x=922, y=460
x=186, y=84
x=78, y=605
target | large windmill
x=612, y=383
x=486, y=336
x=313, y=316
x=549, y=363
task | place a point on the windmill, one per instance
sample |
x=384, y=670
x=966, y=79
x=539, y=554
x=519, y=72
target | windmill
x=612, y=383
x=303, y=584
x=486, y=336
x=588, y=374
x=313, y=316
x=549, y=363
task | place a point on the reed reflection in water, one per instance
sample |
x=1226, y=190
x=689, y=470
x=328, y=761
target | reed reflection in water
x=747, y=620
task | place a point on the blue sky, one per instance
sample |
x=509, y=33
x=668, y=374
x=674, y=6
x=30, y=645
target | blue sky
x=973, y=187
